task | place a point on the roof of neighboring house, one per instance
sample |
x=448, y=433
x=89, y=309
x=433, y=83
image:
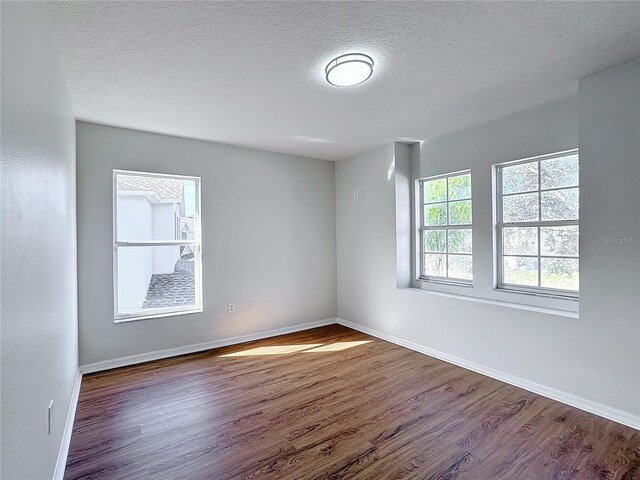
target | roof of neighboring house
x=163, y=188
x=172, y=289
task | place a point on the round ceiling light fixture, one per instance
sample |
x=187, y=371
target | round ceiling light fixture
x=349, y=70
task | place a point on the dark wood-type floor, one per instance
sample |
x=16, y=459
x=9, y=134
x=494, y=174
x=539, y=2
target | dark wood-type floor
x=323, y=404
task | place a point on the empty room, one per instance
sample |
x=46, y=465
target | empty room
x=299, y=240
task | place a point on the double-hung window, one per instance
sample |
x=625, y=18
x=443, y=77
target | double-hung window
x=445, y=231
x=537, y=225
x=156, y=245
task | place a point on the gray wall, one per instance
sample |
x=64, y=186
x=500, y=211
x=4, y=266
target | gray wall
x=268, y=225
x=610, y=233
x=594, y=357
x=38, y=244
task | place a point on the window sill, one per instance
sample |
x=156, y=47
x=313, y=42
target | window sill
x=501, y=303
x=445, y=281
x=134, y=318
x=556, y=296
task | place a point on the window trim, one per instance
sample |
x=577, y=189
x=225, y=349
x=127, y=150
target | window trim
x=420, y=229
x=499, y=284
x=196, y=244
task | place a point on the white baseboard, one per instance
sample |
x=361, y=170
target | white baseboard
x=198, y=347
x=61, y=463
x=613, y=414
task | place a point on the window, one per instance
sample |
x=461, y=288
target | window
x=537, y=228
x=156, y=245
x=445, y=233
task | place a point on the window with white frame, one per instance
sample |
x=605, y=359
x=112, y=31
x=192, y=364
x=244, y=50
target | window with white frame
x=537, y=224
x=156, y=245
x=445, y=231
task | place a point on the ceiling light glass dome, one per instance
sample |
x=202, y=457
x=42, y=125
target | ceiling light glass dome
x=350, y=69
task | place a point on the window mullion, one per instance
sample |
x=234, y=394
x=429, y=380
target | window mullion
x=465, y=226
x=421, y=250
x=446, y=251
x=446, y=234
x=421, y=235
x=156, y=243
x=499, y=234
x=539, y=219
x=545, y=223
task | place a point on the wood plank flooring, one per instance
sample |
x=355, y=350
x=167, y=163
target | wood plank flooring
x=332, y=403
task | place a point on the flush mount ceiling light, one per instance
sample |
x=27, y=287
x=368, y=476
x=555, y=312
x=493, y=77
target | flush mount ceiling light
x=350, y=69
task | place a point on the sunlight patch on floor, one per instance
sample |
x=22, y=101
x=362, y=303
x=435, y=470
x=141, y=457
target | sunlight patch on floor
x=272, y=350
x=306, y=348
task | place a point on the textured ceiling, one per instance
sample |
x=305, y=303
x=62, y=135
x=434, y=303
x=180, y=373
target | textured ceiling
x=251, y=74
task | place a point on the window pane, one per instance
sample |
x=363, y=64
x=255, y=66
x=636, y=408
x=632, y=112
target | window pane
x=460, y=187
x=560, y=241
x=435, y=214
x=520, y=208
x=434, y=240
x=460, y=213
x=435, y=190
x=155, y=277
x=460, y=241
x=562, y=273
x=560, y=205
x=155, y=208
x=520, y=271
x=434, y=265
x=461, y=266
x=520, y=241
x=520, y=178
x=559, y=172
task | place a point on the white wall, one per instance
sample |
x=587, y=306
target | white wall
x=135, y=268
x=164, y=218
x=135, y=221
x=268, y=234
x=594, y=357
x=38, y=244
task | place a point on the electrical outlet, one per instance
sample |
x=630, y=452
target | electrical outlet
x=231, y=308
x=362, y=194
x=355, y=195
x=252, y=304
x=50, y=418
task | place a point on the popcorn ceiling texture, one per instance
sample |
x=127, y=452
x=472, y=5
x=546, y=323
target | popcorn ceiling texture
x=252, y=73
